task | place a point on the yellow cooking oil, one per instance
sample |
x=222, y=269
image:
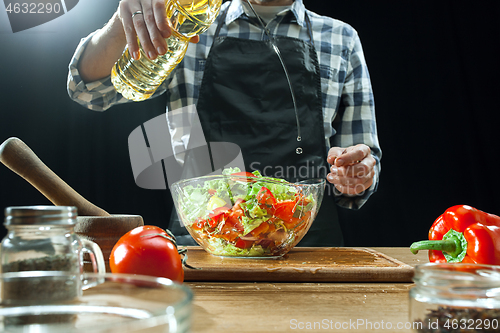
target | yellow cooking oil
x=137, y=80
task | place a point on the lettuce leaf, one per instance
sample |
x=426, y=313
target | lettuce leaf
x=220, y=247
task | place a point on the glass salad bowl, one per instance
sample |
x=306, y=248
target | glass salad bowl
x=57, y=301
x=247, y=215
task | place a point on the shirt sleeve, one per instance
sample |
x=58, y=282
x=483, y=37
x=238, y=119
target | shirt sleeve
x=355, y=122
x=98, y=95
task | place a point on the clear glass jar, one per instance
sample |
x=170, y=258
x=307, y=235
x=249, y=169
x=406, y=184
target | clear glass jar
x=42, y=238
x=455, y=298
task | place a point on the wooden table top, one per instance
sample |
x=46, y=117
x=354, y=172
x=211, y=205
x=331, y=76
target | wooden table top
x=301, y=306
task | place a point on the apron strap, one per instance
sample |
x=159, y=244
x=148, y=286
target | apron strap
x=221, y=22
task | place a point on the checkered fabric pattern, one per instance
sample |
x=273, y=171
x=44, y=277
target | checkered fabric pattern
x=348, y=103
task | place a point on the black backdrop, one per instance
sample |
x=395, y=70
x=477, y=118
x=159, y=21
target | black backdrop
x=434, y=69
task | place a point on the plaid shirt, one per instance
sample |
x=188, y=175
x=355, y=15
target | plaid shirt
x=348, y=104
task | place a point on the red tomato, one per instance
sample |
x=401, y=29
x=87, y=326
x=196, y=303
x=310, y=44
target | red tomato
x=145, y=251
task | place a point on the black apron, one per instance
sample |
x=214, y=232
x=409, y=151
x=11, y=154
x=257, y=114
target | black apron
x=245, y=99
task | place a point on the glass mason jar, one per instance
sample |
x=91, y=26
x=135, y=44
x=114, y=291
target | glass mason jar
x=42, y=238
x=454, y=297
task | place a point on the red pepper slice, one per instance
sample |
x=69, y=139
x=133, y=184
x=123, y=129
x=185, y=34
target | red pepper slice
x=463, y=234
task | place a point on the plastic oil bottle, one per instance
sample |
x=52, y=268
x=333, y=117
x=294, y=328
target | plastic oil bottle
x=137, y=80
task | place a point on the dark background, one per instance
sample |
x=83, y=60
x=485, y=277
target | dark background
x=434, y=69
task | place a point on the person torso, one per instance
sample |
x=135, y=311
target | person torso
x=331, y=37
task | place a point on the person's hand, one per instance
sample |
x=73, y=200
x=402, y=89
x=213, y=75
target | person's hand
x=147, y=20
x=352, y=169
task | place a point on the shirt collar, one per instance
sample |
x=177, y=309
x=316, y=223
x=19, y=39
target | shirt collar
x=236, y=10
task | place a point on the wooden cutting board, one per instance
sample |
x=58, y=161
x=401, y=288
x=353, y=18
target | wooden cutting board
x=301, y=264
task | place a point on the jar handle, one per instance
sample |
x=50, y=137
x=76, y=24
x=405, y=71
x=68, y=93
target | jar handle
x=96, y=256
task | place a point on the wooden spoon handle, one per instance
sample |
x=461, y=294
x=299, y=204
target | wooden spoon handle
x=18, y=157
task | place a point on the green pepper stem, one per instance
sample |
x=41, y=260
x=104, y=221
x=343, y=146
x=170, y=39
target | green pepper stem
x=449, y=246
x=453, y=245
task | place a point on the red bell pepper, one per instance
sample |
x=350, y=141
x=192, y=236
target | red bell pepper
x=463, y=234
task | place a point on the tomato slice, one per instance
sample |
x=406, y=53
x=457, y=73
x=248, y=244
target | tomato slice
x=228, y=232
x=261, y=229
x=266, y=197
x=285, y=209
x=292, y=222
x=243, y=244
x=236, y=213
x=199, y=224
x=237, y=204
x=299, y=222
x=219, y=210
x=272, y=225
x=301, y=199
x=234, y=220
x=218, y=215
x=244, y=174
x=305, y=220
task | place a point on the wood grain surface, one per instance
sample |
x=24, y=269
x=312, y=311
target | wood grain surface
x=305, y=306
x=301, y=264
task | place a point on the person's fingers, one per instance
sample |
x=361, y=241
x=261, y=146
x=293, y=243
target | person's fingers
x=125, y=12
x=358, y=170
x=159, y=29
x=145, y=21
x=354, y=177
x=354, y=188
x=353, y=155
x=334, y=153
x=142, y=24
x=160, y=15
x=337, y=179
x=194, y=39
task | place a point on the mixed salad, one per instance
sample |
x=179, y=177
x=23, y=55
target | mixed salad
x=246, y=214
